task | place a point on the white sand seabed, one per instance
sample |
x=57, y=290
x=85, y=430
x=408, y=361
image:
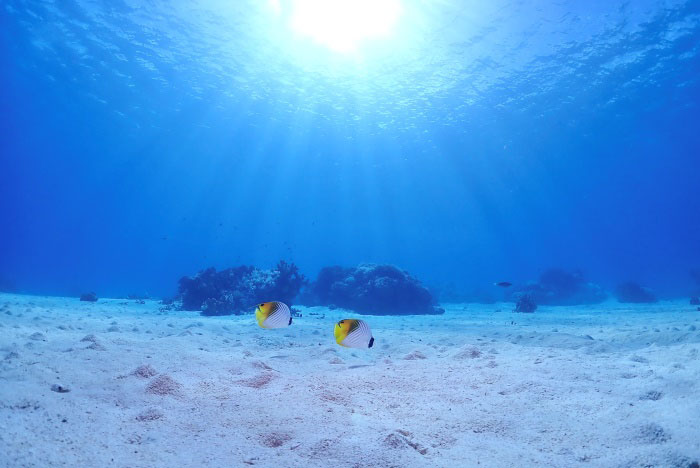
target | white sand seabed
x=606, y=385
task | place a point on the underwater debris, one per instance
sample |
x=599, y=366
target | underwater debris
x=239, y=289
x=560, y=287
x=88, y=297
x=371, y=289
x=525, y=304
x=634, y=293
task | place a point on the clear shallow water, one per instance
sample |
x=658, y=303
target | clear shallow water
x=145, y=141
x=472, y=142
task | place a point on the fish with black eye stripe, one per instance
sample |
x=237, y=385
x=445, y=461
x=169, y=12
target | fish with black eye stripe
x=353, y=333
x=273, y=315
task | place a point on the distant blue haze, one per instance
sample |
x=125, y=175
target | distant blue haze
x=142, y=143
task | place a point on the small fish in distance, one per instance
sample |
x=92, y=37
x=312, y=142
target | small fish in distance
x=503, y=284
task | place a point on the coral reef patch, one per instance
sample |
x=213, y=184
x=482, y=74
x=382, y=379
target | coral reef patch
x=525, y=304
x=236, y=290
x=371, y=289
x=88, y=297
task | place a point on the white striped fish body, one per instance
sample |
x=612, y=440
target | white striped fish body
x=273, y=315
x=353, y=333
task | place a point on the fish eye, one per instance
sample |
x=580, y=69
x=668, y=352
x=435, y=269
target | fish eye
x=339, y=323
x=261, y=305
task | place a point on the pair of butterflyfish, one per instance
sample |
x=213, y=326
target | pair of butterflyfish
x=351, y=333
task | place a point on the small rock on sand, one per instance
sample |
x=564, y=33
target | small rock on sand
x=59, y=388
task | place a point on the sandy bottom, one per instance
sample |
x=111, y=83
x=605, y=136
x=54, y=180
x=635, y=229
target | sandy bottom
x=608, y=385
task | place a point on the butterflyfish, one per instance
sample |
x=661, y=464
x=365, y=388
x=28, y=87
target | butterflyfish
x=273, y=315
x=353, y=333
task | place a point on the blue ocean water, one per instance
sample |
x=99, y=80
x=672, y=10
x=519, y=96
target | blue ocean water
x=467, y=142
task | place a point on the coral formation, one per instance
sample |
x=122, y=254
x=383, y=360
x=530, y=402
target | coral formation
x=695, y=300
x=634, y=293
x=559, y=287
x=525, y=304
x=235, y=290
x=371, y=289
x=88, y=297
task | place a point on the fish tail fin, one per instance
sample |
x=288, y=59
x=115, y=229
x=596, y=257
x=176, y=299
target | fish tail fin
x=371, y=342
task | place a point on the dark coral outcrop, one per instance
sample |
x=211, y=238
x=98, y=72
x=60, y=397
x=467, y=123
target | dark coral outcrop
x=634, y=293
x=88, y=297
x=237, y=290
x=525, y=304
x=371, y=289
x=560, y=287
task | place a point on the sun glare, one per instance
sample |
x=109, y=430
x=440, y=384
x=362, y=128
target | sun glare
x=344, y=25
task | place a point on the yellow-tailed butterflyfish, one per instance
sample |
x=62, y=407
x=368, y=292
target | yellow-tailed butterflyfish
x=273, y=315
x=353, y=333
